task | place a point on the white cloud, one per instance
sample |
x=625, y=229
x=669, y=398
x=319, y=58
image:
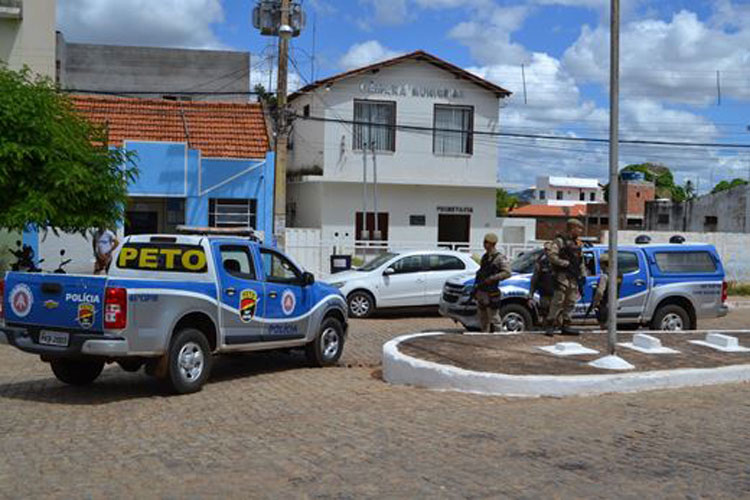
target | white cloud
x=173, y=23
x=489, y=36
x=675, y=61
x=389, y=12
x=362, y=54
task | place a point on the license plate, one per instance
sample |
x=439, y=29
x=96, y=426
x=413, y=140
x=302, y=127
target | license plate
x=60, y=339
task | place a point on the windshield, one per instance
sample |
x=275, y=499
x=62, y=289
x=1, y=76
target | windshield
x=524, y=264
x=377, y=261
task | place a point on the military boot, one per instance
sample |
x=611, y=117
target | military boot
x=567, y=330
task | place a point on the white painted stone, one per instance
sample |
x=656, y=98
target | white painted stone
x=567, y=349
x=399, y=368
x=647, y=344
x=611, y=362
x=721, y=342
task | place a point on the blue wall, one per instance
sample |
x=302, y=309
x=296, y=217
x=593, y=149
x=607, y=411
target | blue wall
x=173, y=170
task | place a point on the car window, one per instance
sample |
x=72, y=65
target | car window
x=411, y=264
x=627, y=262
x=237, y=261
x=524, y=263
x=444, y=263
x=685, y=262
x=590, y=263
x=278, y=268
x=378, y=261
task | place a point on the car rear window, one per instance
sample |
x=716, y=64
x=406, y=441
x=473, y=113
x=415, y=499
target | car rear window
x=162, y=257
x=685, y=262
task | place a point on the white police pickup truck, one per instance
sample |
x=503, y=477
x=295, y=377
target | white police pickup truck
x=664, y=287
x=170, y=303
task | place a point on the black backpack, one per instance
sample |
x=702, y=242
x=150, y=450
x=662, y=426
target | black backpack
x=545, y=277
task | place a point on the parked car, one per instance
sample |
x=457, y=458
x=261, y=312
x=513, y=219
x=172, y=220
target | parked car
x=664, y=287
x=170, y=303
x=401, y=279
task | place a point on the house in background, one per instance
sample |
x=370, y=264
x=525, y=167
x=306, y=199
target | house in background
x=566, y=191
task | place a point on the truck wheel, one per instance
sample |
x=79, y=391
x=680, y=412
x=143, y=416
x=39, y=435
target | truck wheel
x=78, y=371
x=671, y=318
x=189, y=361
x=326, y=348
x=514, y=318
x=361, y=304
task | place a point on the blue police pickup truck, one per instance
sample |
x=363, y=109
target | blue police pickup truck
x=170, y=303
x=664, y=287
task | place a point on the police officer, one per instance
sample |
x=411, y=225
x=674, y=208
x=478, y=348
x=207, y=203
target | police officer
x=493, y=268
x=542, y=283
x=599, y=301
x=567, y=263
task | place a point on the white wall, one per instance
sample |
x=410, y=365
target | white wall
x=31, y=40
x=413, y=161
x=76, y=247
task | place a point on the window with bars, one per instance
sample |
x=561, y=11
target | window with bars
x=448, y=119
x=232, y=213
x=375, y=125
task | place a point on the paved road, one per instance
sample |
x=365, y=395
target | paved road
x=268, y=427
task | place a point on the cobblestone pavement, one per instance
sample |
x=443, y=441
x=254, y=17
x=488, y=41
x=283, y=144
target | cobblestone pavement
x=268, y=427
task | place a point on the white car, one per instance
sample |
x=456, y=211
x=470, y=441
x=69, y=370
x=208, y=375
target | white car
x=405, y=279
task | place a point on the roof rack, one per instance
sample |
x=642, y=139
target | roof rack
x=238, y=231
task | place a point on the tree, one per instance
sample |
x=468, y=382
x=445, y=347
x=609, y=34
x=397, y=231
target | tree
x=724, y=185
x=56, y=169
x=504, y=202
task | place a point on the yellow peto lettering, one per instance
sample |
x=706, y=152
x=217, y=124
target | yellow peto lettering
x=149, y=258
x=169, y=256
x=127, y=254
x=194, y=260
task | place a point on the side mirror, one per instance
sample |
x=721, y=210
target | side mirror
x=389, y=271
x=308, y=279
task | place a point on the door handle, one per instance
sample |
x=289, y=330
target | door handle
x=272, y=295
x=639, y=283
x=230, y=291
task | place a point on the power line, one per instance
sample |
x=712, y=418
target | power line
x=529, y=136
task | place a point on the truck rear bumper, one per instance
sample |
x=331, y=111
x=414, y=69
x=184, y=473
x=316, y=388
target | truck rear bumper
x=80, y=344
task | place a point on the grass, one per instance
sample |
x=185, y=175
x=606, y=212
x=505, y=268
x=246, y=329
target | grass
x=738, y=288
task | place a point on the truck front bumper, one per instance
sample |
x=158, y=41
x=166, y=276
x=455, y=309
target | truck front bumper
x=80, y=344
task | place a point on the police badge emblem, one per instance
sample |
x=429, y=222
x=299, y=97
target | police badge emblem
x=86, y=313
x=248, y=304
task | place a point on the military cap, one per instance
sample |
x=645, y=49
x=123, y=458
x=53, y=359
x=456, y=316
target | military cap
x=575, y=222
x=604, y=258
x=491, y=237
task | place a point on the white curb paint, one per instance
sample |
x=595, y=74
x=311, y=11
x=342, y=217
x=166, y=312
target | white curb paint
x=647, y=344
x=611, y=362
x=567, y=349
x=720, y=342
x=399, y=368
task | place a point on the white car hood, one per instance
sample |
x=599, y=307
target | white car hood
x=461, y=278
x=345, y=276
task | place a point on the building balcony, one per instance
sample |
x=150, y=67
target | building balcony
x=11, y=9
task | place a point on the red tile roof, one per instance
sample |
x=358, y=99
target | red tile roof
x=418, y=55
x=217, y=129
x=548, y=211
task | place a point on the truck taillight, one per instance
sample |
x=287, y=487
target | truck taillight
x=724, y=291
x=2, y=299
x=115, y=308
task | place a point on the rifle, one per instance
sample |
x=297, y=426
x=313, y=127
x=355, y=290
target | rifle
x=589, y=310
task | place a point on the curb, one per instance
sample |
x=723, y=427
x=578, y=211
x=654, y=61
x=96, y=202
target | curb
x=400, y=369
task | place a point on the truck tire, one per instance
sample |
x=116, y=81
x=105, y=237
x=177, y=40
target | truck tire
x=361, y=304
x=76, y=371
x=514, y=318
x=671, y=317
x=328, y=344
x=189, y=361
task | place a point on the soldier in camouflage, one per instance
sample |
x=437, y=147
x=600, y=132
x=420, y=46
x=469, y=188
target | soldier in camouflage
x=566, y=258
x=493, y=268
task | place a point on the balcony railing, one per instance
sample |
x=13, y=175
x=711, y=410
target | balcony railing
x=11, y=9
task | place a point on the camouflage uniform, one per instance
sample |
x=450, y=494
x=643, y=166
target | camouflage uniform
x=600, y=300
x=567, y=261
x=493, y=268
x=543, y=284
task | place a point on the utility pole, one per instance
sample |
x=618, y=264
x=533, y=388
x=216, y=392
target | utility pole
x=282, y=135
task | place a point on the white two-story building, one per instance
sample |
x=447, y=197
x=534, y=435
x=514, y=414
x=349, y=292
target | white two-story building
x=423, y=126
x=567, y=191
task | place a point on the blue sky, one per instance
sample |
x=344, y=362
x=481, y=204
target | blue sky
x=671, y=51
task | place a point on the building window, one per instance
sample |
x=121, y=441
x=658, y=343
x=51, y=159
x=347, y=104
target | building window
x=417, y=220
x=710, y=222
x=592, y=196
x=582, y=196
x=306, y=110
x=542, y=194
x=637, y=194
x=662, y=219
x=375, y=125
x=447, y=119
x=232, y=213
x=559, y=195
